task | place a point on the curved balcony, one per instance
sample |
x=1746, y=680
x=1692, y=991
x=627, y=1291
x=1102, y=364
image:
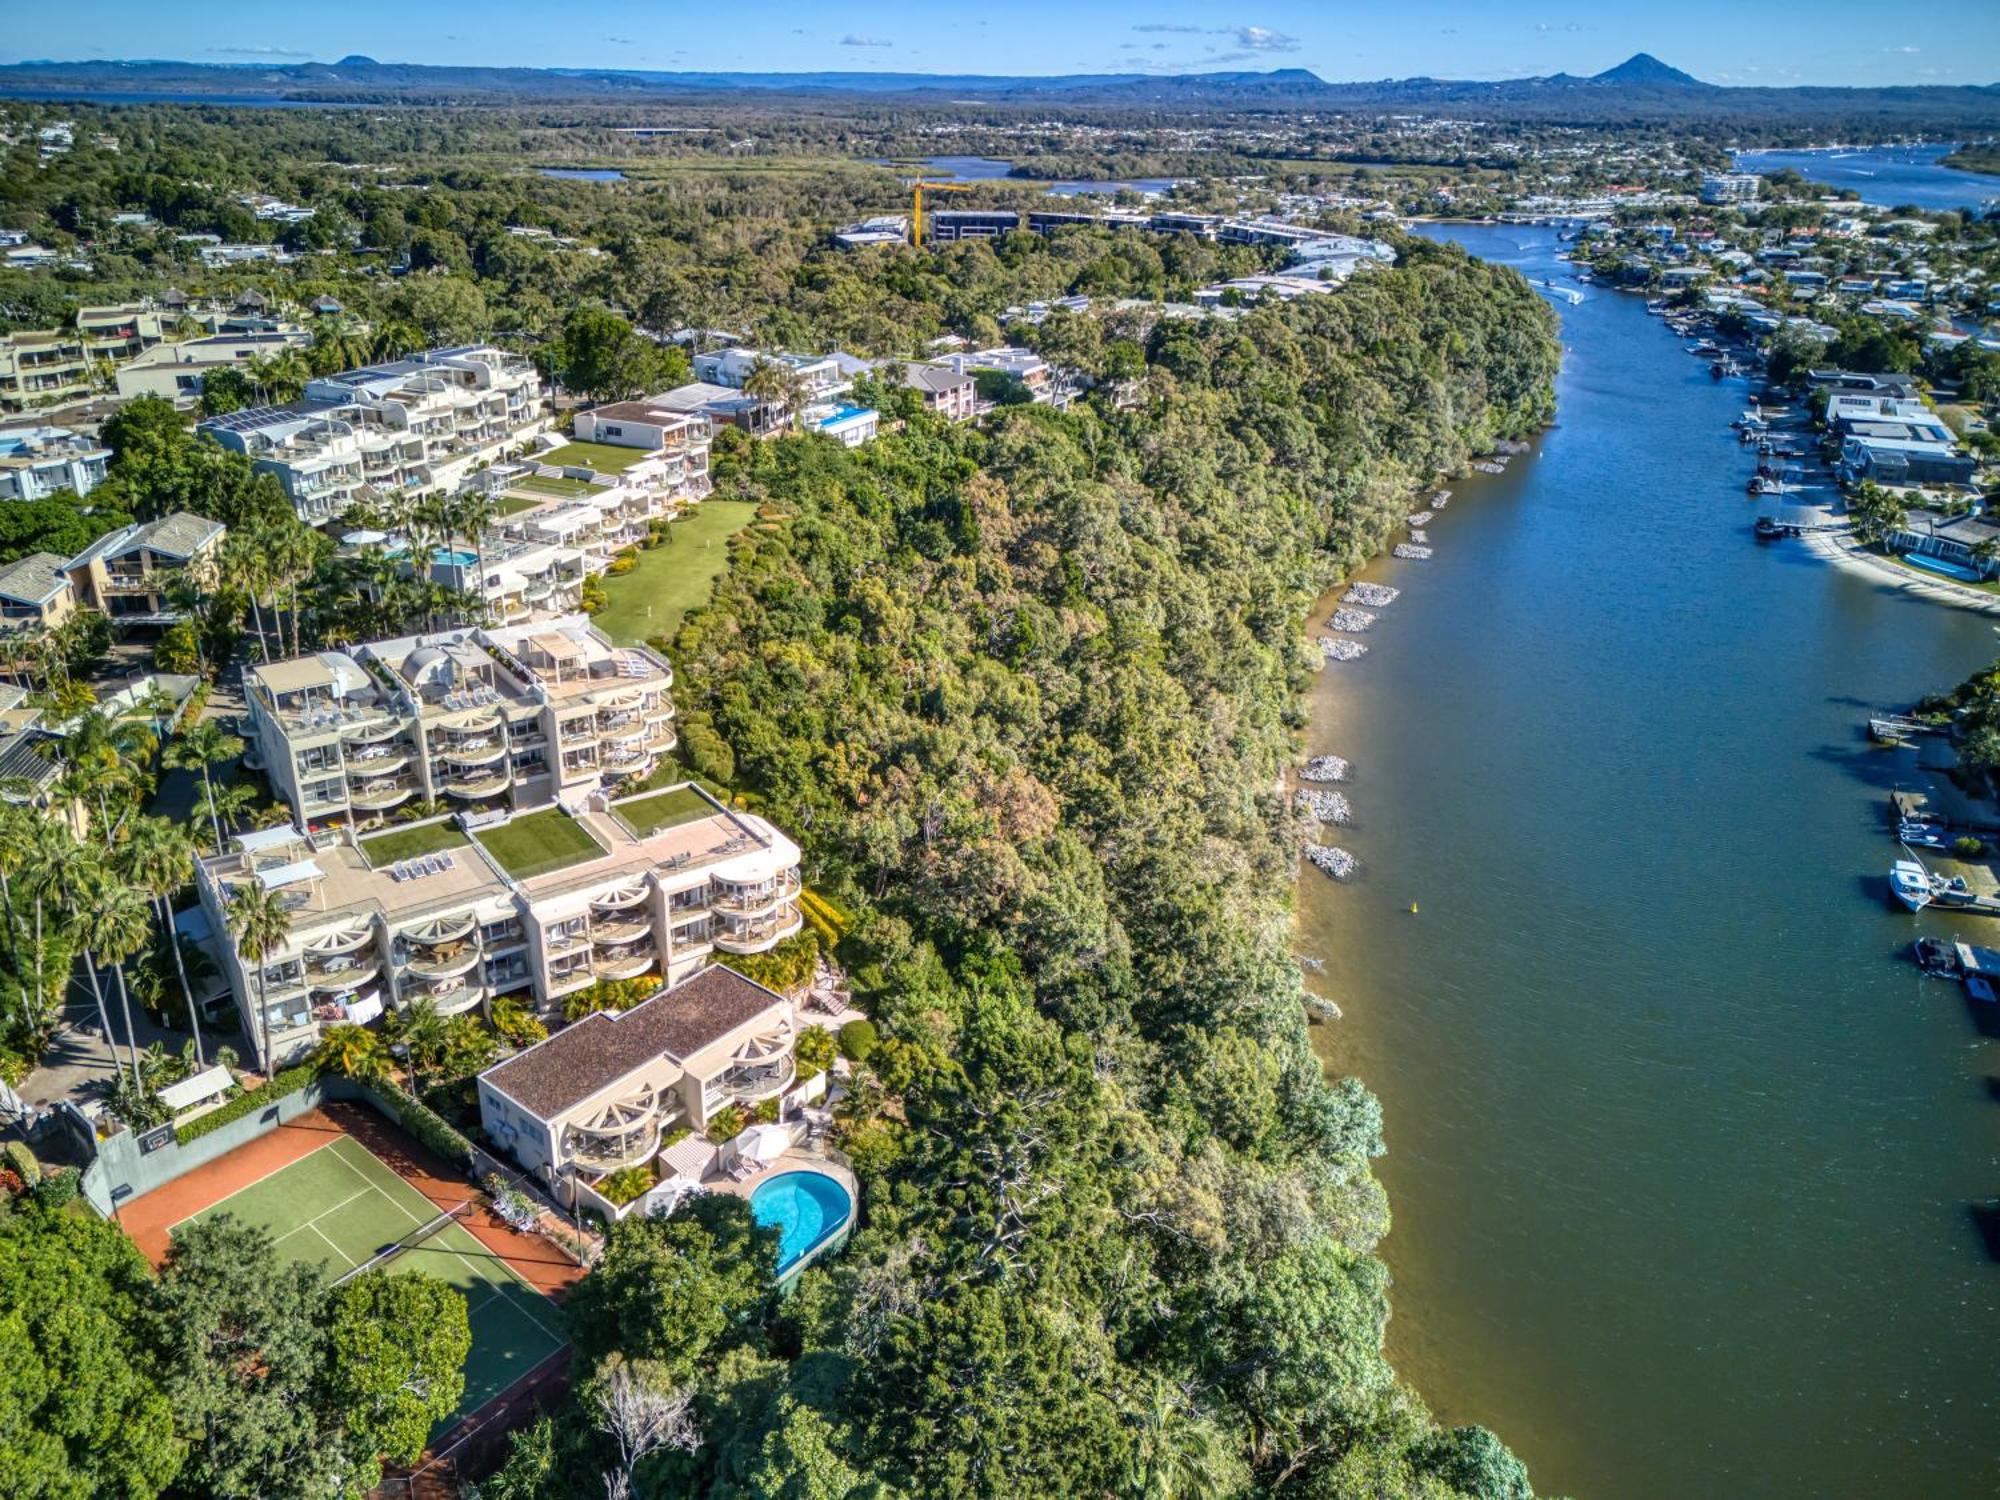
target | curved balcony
x=661, y=712
x=756, y=936
x=442, y=963
x=449, y=999
x=624, y=898
x=380, y=794
x=332, y=977
x=339, y=942
x=480, y=787
x=752, y=900
x=627, y=929
x=384, y=762
x=623, y=963
x=370, y=732
x=623, y=1133
x=565, y=942
x=475, y=752
x=470, y=721
x=752, y=1083
x=442, y=929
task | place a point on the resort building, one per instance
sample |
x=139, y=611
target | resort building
x=35, y=593
x=35, y=462
x=492, y=719
x=944, y=226
x=535, y=906
x=39, y=368
x=1729, y=187
x=129, y=574
x=175, y=372
x=426, y=422
x=602, y=1093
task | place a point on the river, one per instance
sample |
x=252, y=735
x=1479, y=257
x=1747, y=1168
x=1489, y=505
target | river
x=1681, y=1153
x=1889, y=175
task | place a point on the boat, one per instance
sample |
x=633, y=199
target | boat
x=1910, y=883
x=1937, y=957
x=1719, y=369
x=1923, y=835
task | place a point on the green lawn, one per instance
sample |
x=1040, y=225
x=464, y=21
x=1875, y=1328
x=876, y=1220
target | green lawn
x=648, y=815
x=385, y=849
x=675, y=577
x=557, y=487
x=540, y=843
x=605, y=458
x=513, y=506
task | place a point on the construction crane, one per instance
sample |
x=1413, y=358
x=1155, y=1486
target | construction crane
x=917, y=187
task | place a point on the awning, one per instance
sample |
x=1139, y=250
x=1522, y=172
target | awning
x=208, y=1084
x=292, y=874
x=259, y=839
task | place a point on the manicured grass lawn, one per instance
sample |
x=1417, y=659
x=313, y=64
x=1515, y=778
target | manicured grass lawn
x=606, y=458
x=385, y=849
x=675, y=577
x=539, y=843
x=513, y=506
x=648, y=815
x=556, y=488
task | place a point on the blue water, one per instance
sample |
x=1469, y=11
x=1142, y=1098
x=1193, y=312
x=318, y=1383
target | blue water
x=446, y=557
x=1682, y=1149
x=994, y=169
x=585, y=174
x=1889, y=175
x=806, y=1208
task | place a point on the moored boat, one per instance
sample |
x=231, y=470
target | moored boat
x=1910, y=884
x=1938, y=957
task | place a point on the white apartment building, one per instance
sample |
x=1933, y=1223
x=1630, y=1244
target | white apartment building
x=37, y=461
x=819, y=375
x=536, y=907
x=509, y=717
x=425, y=422
x=1729, y=187
x=176, y=371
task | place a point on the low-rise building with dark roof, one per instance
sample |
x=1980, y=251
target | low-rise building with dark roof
x=35, y=592
x=129, y=573
x=600, y=1094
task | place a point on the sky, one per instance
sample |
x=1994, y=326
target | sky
x=1723, y=41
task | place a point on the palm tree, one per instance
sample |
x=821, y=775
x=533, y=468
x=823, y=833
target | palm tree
x=158, y=857
x=425, y=1038
x=352, y=1051
x=260, y=922
x=241, y=566
x=227, y=804
x=51, y=851
x=99, y=756
x=117, y=926
x=73, y=878
x=778, y=383
x=472, y=512
x=203, y=744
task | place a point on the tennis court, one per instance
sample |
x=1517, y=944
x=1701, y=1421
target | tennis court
x=338, y=1207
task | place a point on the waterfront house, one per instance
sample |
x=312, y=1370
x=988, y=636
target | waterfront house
x=603, y=1093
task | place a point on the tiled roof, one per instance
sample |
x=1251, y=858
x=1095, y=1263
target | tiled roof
x=35, y=579
x=597, y=1051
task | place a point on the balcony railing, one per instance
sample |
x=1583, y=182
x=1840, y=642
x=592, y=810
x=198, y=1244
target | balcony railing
x=756, y=899
x=756, y=936
x=751, y=1083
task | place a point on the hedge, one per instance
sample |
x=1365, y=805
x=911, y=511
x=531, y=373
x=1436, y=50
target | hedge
x=276, y=1087
x=423, y=1124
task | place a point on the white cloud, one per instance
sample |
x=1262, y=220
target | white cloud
x=1168, y=26
x=256, y=52
x=1262, y=39
x=851, y=40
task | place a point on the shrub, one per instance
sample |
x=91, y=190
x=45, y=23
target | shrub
x=706, y=750
x=675, y=1136
x=21, y=1161
x=290, y=1081
x=857, y=1040
x=1967, y=847
x=767, y=1111
x=625, y=1184
x=726, y=1123
x=421, y=1124
x=815, y=1051
x=58, y=1189
x=517, y=1025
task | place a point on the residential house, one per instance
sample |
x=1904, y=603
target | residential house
x=129, y=574
x=950, y=393
x=602, y=1093
x=35, y=593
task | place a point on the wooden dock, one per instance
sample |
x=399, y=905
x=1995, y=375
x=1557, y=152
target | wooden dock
x=1899, y=729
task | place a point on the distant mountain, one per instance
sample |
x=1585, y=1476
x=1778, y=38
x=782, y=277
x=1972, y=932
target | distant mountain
x=1643, y=70
x=1640, y=88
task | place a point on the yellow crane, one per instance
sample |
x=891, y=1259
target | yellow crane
x=917, y=187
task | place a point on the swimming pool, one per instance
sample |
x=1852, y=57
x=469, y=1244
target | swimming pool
x=806, y=1208
x=446, y=557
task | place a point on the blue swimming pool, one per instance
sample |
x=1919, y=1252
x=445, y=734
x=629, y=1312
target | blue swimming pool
x=806, y=1208
x=448, y=557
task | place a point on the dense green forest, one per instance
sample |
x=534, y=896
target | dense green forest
x=1025, y=696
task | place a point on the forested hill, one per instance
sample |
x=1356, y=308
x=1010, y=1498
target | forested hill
x=1026, y=695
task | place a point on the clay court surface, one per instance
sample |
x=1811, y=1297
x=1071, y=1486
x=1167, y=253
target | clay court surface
x=340, y=1186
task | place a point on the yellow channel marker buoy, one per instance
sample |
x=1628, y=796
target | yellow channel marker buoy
x=1413, y=908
